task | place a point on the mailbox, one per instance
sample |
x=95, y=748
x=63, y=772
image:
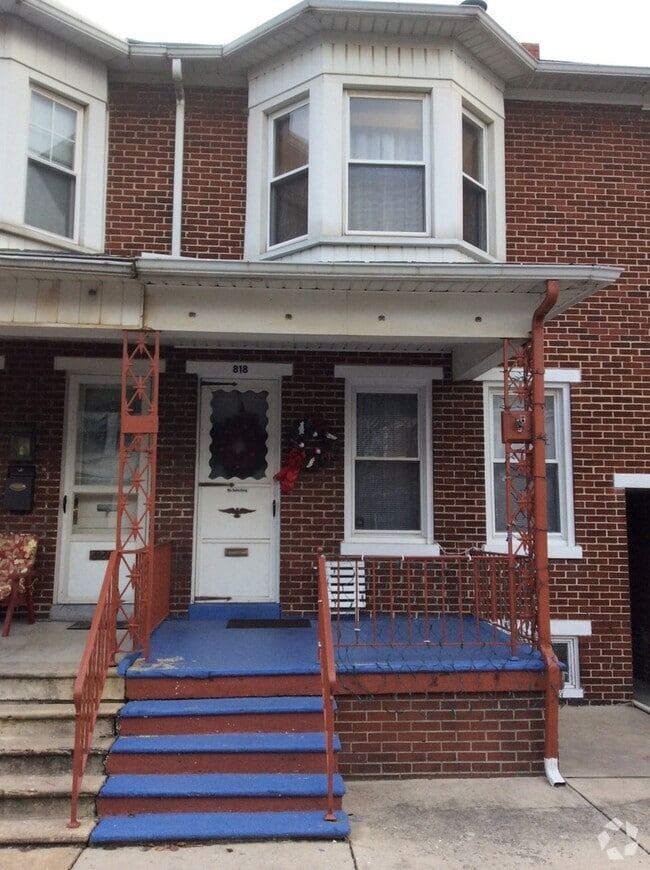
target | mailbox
x=19, y=487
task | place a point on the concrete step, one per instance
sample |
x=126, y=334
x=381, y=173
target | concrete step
x=49, y=831
x=29, y=796
x=301, y=752
x=175, y=827
x=221, y=715
x=208, y=792
x=53, y=687
x=54, y=720
x=47, y=757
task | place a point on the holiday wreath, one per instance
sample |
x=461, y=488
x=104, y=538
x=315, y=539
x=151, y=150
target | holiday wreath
x=312, y=446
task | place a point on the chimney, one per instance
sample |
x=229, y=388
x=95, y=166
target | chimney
x=532, y=48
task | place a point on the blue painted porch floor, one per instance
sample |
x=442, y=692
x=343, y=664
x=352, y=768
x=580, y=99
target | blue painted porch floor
x=201, y=648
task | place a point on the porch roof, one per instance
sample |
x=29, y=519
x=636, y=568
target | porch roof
x=458, y=308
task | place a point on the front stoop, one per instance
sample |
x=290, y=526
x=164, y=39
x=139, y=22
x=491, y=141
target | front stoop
x=36, y=743
x=203, y=769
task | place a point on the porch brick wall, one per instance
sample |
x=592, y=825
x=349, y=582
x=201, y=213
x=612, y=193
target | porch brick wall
x=141, y=168
x=577, y=192
x=445, y=735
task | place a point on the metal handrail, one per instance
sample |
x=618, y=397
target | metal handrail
x=91, y=678
x=150, y=608
x=328, y=680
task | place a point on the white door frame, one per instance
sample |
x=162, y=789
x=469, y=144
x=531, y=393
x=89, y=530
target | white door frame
x=239, y=372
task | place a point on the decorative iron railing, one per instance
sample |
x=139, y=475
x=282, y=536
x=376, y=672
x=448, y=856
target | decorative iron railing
x=150, y=608
x=328, y=680
x=470, y=599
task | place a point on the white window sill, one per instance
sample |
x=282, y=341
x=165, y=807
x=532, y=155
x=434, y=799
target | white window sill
x=380, y=548
x=555, y=550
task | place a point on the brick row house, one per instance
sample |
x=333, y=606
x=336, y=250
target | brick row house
x=333, y=222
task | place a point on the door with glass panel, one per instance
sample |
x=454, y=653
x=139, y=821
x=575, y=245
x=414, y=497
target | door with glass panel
x=90, y=478
x=237, y=511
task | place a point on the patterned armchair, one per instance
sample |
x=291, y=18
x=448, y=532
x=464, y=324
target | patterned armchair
x=17, y=575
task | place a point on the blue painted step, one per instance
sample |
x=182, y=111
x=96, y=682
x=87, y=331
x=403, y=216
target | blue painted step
x=219, y=784
x=232, y=743
x=172, y=827
x=222, y=706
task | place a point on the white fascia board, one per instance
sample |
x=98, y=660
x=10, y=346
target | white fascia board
x=69, y=26
x=492, y=276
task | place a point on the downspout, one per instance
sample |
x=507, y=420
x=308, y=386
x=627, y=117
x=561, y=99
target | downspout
x=179, y=144
x=540, y=539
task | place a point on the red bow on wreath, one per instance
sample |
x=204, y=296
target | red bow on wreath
x=312, y=447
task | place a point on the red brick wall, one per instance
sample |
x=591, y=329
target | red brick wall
x=577, y=192
x=446, y=735
x=141, y=168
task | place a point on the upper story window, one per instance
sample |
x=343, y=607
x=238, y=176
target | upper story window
x=52, y=165
x=289, y=176
x=474, y=189
x=386, y=169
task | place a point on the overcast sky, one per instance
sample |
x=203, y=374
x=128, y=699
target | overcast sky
x=588, y=31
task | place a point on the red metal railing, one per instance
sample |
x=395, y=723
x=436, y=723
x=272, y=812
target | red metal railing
x=91, y=678
x=149, y=609
x=328, y=680
x=473, y=599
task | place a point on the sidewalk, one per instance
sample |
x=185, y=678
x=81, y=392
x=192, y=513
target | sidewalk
x=452, y=823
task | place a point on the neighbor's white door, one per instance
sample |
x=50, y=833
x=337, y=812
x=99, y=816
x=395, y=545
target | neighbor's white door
x=90, y=477
x=237, y=508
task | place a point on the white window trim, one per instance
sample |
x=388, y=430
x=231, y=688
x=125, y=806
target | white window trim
x=424, y=99
x=569, y=631
x=76, y=172
x=380, y=378
x=560, y=545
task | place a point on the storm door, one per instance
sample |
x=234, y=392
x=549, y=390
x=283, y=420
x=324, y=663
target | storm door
x=237, y=522
x=90, y=477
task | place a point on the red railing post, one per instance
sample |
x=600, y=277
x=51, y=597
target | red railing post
x=328, y=680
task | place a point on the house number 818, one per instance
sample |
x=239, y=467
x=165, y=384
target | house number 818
x=240, y=370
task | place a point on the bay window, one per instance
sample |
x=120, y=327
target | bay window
x=289, y=176
x=386, y=168
x=52, y=165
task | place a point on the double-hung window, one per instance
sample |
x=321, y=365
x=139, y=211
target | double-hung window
x=386, y=168
x=474, y=190
x=388, y=471
x=289, y=175
x=52, y=165
x=559, y=484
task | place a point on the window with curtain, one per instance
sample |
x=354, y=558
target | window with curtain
x=51, y=165
x=386, y=171
x=290, y=175
x=387, y=463
x=474, y=191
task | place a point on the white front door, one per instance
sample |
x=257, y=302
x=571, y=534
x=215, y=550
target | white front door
x=90, y=477
x=237, y=510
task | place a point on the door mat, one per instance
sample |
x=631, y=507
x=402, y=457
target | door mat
x=84, y=625
x=269, y=623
